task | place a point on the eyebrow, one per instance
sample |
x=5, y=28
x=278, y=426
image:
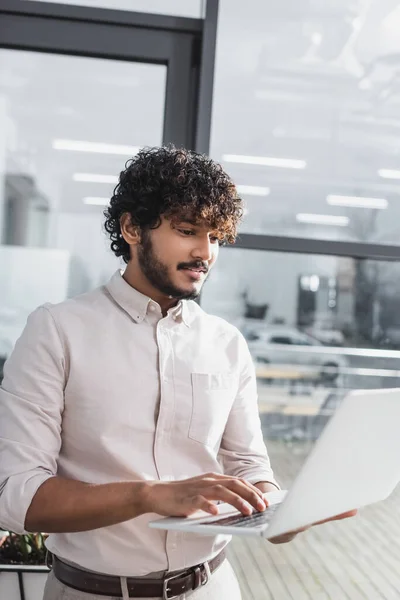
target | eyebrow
x=190, y=222
x=197, y=224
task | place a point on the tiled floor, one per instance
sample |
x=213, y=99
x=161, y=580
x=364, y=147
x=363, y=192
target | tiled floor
x=356, y=559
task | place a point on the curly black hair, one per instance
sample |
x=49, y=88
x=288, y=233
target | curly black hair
x=172, y=182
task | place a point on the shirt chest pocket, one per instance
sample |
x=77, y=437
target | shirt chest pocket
x=212, y=399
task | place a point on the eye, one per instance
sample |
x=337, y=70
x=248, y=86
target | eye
x=215, y=239
x=186, y=231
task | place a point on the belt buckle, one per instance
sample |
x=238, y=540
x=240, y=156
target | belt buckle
x=166, y=589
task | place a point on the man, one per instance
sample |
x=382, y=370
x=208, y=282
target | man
x=130, y=402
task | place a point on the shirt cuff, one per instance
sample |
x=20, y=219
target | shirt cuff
x=16, y=498
x=264, y=479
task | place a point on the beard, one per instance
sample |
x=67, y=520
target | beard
x=157, y=272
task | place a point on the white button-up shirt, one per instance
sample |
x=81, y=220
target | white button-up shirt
x=102, y=388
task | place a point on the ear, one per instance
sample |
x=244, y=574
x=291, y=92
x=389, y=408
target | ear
x=130, y=232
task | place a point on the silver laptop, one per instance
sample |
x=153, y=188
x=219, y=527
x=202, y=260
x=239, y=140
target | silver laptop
x=355, y=462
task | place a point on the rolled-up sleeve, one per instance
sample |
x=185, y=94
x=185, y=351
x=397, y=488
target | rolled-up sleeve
x=243, y=452
x=31, y=406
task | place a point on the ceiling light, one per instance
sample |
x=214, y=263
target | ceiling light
x=253, y=190
x=316, y=38
x=322, y=219
x=389, y=173
x=94, y=178
x=266, y=161
x=357, y=201
x=81, y=146
x=96, y=201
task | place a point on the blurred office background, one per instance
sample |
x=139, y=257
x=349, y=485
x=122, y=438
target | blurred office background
x=305, y=117
x=300, y=102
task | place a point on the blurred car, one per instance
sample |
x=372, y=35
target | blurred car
x=324, y=330
x=326, y=335
x=288, y=346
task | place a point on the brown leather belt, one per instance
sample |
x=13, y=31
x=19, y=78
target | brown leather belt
x=170, y=586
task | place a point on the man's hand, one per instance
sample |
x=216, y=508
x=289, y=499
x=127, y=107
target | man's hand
x=183, y=498
x=288, y=537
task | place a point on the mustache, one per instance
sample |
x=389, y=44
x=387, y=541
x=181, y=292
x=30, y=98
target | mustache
x=198, y=264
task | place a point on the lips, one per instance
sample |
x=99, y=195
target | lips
x=195, y=270
x=195, y=273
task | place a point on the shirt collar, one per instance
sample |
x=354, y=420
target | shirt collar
x=181, y=312
x=137, y=304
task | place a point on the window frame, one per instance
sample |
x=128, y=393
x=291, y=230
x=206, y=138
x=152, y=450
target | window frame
x=185, y=45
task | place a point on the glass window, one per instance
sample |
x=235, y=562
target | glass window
x=348, y=310
x=306, y=116
x=328, y=323
x=178, y=8
x=68, y=126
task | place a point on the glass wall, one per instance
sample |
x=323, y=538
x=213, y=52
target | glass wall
x=68, y=126
x=316, y=326
x=306, y=116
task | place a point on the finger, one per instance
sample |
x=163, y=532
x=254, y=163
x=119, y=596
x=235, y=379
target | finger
x=288, y=537
x=220, y=476
x=201, y=503
x=212, y=476
x=283, y=539
x=254, y=489
x=248, y=493
x=346, y=515
x=240, y=486
x=221, y=492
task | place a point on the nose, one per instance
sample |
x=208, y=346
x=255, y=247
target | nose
x=204, y=250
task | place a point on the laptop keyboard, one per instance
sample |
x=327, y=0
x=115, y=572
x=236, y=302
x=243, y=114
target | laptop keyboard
x=256, y=519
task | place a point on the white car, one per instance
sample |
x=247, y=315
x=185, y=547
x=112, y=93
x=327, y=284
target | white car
x=288, y=346
x=326, y=334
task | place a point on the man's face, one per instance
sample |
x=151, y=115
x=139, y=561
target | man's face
x=177, y=257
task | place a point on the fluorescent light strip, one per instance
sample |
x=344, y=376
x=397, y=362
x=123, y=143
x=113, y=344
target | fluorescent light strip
x=357, y=201
x=322, y=219
x=253, y=190
x=389, y=173
x=96, y=201
x=266, y=161
x=94, y=178
x=100, y=148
